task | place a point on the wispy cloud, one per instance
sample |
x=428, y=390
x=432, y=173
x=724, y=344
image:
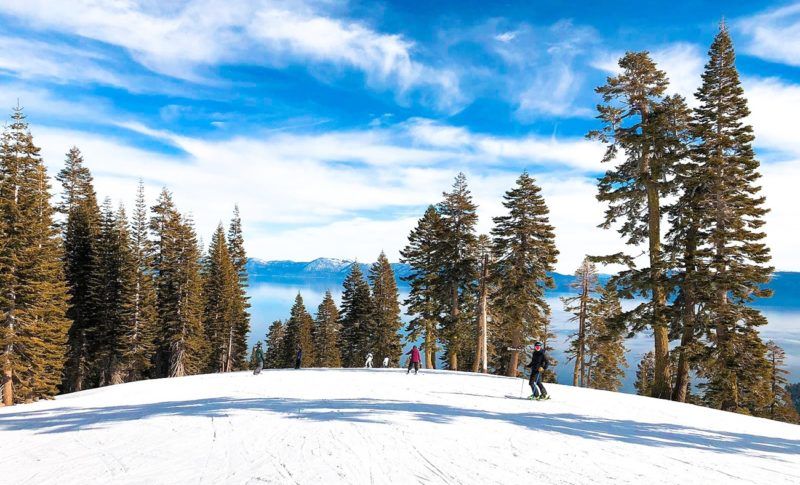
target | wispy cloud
x=774, y=35
x=191, y=39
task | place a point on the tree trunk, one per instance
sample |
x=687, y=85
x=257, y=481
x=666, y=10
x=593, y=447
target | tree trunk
x=454, y=312
x=8, y=381
x=661, y=379
x=480, y=353
x=430, y=346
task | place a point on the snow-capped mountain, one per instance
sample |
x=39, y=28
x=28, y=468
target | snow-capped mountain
x=358, y=426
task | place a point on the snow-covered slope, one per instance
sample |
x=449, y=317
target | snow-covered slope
x=382, y=426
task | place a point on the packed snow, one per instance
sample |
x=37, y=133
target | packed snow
x=357, y=426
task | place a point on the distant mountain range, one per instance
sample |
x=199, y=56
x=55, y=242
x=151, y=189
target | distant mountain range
x=331, y=271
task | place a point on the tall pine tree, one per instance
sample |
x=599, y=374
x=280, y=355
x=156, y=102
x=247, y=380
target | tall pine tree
x=33, y=291
x=457, y=250
x=525, y=253
x=733, y=213
x=326, y=336
x=242, y=301
x=141, y=339
x=648, y=130
x=80, y=233
x=425, y=303
x=780, y=406
x=605, y=341
x=585, y=283
x=386, y=323
x=222, y=314
x=182, y=346
x=356, y=318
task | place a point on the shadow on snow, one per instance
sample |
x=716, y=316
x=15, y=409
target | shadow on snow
x=65, y=419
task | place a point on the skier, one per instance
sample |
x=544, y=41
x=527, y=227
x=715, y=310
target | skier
x=368, y=363
x=299, y=358
x=414, y=360
x=386, y=361
x=538, y=365
x=259, y=359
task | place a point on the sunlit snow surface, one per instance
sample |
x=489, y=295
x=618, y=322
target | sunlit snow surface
x=382, y=426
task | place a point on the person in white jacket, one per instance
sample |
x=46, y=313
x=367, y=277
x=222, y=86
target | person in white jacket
x=386, y=361
x=368, y=363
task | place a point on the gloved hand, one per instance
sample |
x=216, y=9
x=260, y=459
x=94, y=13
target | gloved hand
x=541, y=369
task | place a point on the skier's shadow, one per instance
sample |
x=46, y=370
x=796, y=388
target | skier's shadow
x=378, y=412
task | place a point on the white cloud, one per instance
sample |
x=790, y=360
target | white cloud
x=188, y=39
x=773, y=104
x=774, y=35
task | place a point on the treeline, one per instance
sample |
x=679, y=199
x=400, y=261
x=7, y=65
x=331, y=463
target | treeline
x=367, y=322
x=91, y=297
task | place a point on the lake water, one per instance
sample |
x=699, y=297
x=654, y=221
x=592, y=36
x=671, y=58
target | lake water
x=272, y=301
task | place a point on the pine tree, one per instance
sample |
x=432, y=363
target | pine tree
x=242, y=301
x=649, y=131
x=326, y=336
x=781, y=406
x=275, y=353
x=386, y=323
x=80, y=234
x=141, y=338
x=182, y=346
x=458, y=255
x=425, y=303
x=113, y=297
x=221, y=315
x=645, y=374
x=356, y=318
x=585, y=282
x=732, y=220
x=605, y=341
x=525, y=253
x=299, y=334
x=33, y=290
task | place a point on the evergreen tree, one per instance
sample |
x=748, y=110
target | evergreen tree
x=732, y=213
x=458, y=255
x=645, y=374
x=326, y=336
x=585, y=282
x=299, y=334
x=80, y=234
x=781, y=406
x=33, y=291
x=649, y=130
x=113, y=297
x=222, y=313
x=356, y=318
x=275, y=353
x=605, y=341
x=424, y=303
x=525, y=253
x=252, y=362
x=386, y=323
x=242, y=301
x=182, y=347
x=141, y=338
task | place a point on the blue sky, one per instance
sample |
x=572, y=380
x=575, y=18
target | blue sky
x=333, y=124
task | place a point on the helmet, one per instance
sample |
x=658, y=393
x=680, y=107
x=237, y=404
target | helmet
x=537, y=344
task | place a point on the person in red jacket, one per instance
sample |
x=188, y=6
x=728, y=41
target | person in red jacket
x=414, y=360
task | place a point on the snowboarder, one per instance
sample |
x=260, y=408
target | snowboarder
x=538, y=365
x=386, y=361
x=299, y=358
x=259, y=359
x=368, y=363
x=414, y=360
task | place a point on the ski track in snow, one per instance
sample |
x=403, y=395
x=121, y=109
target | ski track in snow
x=379, y=426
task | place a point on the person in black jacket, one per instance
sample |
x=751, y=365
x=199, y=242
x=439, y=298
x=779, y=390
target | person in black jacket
x=538, y=365
x=299, y=358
